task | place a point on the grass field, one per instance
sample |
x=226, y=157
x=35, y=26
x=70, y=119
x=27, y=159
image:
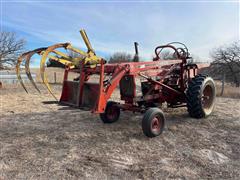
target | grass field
x=229, y=90
x=40, y=139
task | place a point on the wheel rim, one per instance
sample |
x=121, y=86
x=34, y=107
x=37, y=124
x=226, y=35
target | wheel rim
x=207, y=98
x=156, y=124
x=112, y=113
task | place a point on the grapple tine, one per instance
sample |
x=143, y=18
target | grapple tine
x=43, y=61
x=61, y=54
x=27, y=69
x=18, y=70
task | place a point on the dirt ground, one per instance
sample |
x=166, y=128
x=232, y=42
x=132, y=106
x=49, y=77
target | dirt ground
x=43, y=140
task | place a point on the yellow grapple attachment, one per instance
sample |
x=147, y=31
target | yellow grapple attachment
x=89, y=58
x=27, y=57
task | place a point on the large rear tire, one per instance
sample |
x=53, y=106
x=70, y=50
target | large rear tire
x=111, y=113
x=200, y=96
x=153, y=122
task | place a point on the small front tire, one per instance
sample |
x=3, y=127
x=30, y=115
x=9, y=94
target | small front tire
x=153, y=122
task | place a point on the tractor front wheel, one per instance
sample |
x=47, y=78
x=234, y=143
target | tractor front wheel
x=111, y=113
x=153, y=122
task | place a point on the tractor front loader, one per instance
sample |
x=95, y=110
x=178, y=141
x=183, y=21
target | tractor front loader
x=174, y=82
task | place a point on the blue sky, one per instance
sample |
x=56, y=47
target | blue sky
x=114, y=26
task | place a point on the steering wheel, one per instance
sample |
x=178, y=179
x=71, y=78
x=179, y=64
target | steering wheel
x=181, y=52
x=159, y=49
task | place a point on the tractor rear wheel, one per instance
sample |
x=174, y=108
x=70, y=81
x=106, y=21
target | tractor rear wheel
x=200, y=96
x=111, y=113
x=153, y=122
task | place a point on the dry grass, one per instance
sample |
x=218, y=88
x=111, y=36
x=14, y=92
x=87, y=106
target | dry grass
x=229, y=90
x=50, y=74
x=43, y=140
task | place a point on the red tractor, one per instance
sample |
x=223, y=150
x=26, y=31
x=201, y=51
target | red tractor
x=174, y=82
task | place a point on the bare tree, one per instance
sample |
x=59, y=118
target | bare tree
x=10, y=48
x=120, y=57
x=73, y=54
x=167, y=55
x=226, y=60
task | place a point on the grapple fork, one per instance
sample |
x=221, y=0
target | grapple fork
x=27, y=56
x=69, y=62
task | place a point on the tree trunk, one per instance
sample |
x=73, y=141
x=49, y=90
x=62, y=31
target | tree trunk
x=223, y=82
